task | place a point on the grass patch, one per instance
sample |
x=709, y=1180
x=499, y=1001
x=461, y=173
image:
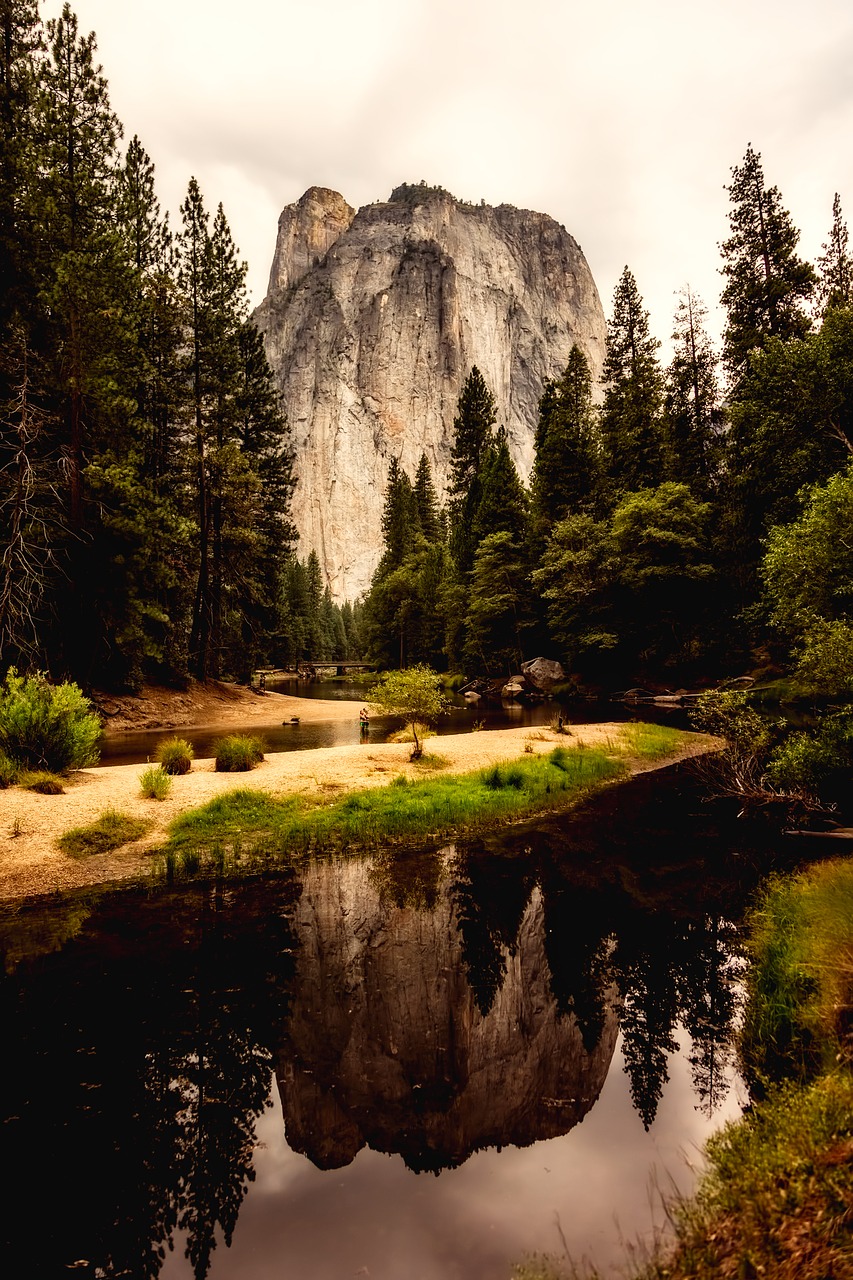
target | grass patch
x=801, y=977
x=238, y=753
x=175, y=756
x=109, y=832
x=244, y=826
x=155, y=783
x=42, y=781
x=651, y=741
x=406, y=735
x=431, y=762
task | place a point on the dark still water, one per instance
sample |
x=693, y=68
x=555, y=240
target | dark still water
x=138, y=746
x=417, y=1066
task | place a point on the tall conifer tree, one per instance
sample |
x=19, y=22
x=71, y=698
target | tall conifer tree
x=567, y=468
x=692, y=413
x=767, y=285
x=634, y=451
x=835, y=265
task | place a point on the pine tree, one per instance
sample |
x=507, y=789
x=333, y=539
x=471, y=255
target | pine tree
x=427, y=501
x=692, y=413
x=472, y=432
x=503, y=500
x=835, y=265
x=400, y=519
x=634, y=451
x=767, y=284
x=20, y=40
x=566, y=470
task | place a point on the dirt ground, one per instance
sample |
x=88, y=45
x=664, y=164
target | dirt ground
x=31, y=864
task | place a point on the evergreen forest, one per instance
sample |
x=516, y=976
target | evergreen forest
x=691, y=523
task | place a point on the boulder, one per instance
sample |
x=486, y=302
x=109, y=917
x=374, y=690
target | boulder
x=543, y=673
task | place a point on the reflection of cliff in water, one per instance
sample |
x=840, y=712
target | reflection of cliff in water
x=387, y=1043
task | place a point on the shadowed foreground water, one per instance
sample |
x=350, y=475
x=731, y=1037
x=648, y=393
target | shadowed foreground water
x=421, y=1065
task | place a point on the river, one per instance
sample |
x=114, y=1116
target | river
x=422, y=1066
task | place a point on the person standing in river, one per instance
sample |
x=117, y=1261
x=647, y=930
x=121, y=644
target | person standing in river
x=364, y=723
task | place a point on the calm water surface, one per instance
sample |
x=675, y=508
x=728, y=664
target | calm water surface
x=419, y=1067
x=136, y=747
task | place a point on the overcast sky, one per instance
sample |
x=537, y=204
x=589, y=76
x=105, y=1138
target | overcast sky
x=621, y=119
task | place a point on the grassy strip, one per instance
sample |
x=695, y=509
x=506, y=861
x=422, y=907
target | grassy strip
x=109, y=832
x=243, y=828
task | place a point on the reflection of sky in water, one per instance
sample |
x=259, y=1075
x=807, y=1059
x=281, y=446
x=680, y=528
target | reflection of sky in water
x=374, y=1218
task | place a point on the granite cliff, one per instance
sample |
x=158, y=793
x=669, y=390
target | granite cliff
x=373, y=320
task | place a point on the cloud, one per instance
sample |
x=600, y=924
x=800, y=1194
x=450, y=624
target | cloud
x=622, y=121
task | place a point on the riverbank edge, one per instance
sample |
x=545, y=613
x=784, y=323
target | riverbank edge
x=775, y=1199
x=129, y=867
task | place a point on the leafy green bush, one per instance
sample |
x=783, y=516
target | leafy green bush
x=819, y=763
x=238, y=753
x=109, y=832
x=47, y=726
x=175, y=755
x=8, y=771
x=155, y=783
x=42, y=781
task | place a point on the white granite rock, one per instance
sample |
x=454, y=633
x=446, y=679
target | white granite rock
x=372, y=324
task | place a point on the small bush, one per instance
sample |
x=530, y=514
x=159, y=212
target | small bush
x=431, y=762
x=155, y=783
x=500, y=777
x=46, y=726
x=175, y=756
x=8, y=771
x=237, y=753
x=42, y=781
x=111, y=831
x=407, y=734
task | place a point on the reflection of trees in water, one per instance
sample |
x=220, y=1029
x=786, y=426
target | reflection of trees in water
x=407, y=878
x=135, y=1066
x=708, y=1004
x=578, y=945
x=489, y=897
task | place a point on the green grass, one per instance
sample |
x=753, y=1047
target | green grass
x=109, y=832
x=801, y=976
x=238, y=753
x=251, y=824
x=175, y=756
x=155, y=783
x=651, y=741
x=42, y=781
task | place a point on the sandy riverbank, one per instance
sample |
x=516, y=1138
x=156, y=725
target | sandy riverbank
x=32, y=864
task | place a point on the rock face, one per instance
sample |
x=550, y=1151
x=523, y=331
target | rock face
x=386, y=1045
x=373, y=321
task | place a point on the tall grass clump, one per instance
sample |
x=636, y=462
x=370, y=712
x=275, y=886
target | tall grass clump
x=46, y=726
x=155, y=783
x=108, y=832
x=238, y=753
x=800, y=981
x=175, y=756
x=41, y=781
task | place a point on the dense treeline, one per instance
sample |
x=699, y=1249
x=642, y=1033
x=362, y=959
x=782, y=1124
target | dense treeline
x=145, y=460
x=146, y=464
x=640, y=550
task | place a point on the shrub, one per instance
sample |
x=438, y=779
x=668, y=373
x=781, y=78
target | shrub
x=42, y=781
x=175, y=755
x=155, y=782
x=47, y=726
x=237, y=753
x=8, y=771
x=110, y=831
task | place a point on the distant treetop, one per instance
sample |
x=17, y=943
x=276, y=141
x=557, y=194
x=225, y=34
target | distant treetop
x=414, y=193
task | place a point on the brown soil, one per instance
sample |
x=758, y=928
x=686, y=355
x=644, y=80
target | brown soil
x=31, y=863
x=213, y=704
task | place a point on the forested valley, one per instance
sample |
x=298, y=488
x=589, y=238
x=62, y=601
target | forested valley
x=692, y=525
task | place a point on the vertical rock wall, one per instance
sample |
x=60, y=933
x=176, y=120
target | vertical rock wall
x=373, y=321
